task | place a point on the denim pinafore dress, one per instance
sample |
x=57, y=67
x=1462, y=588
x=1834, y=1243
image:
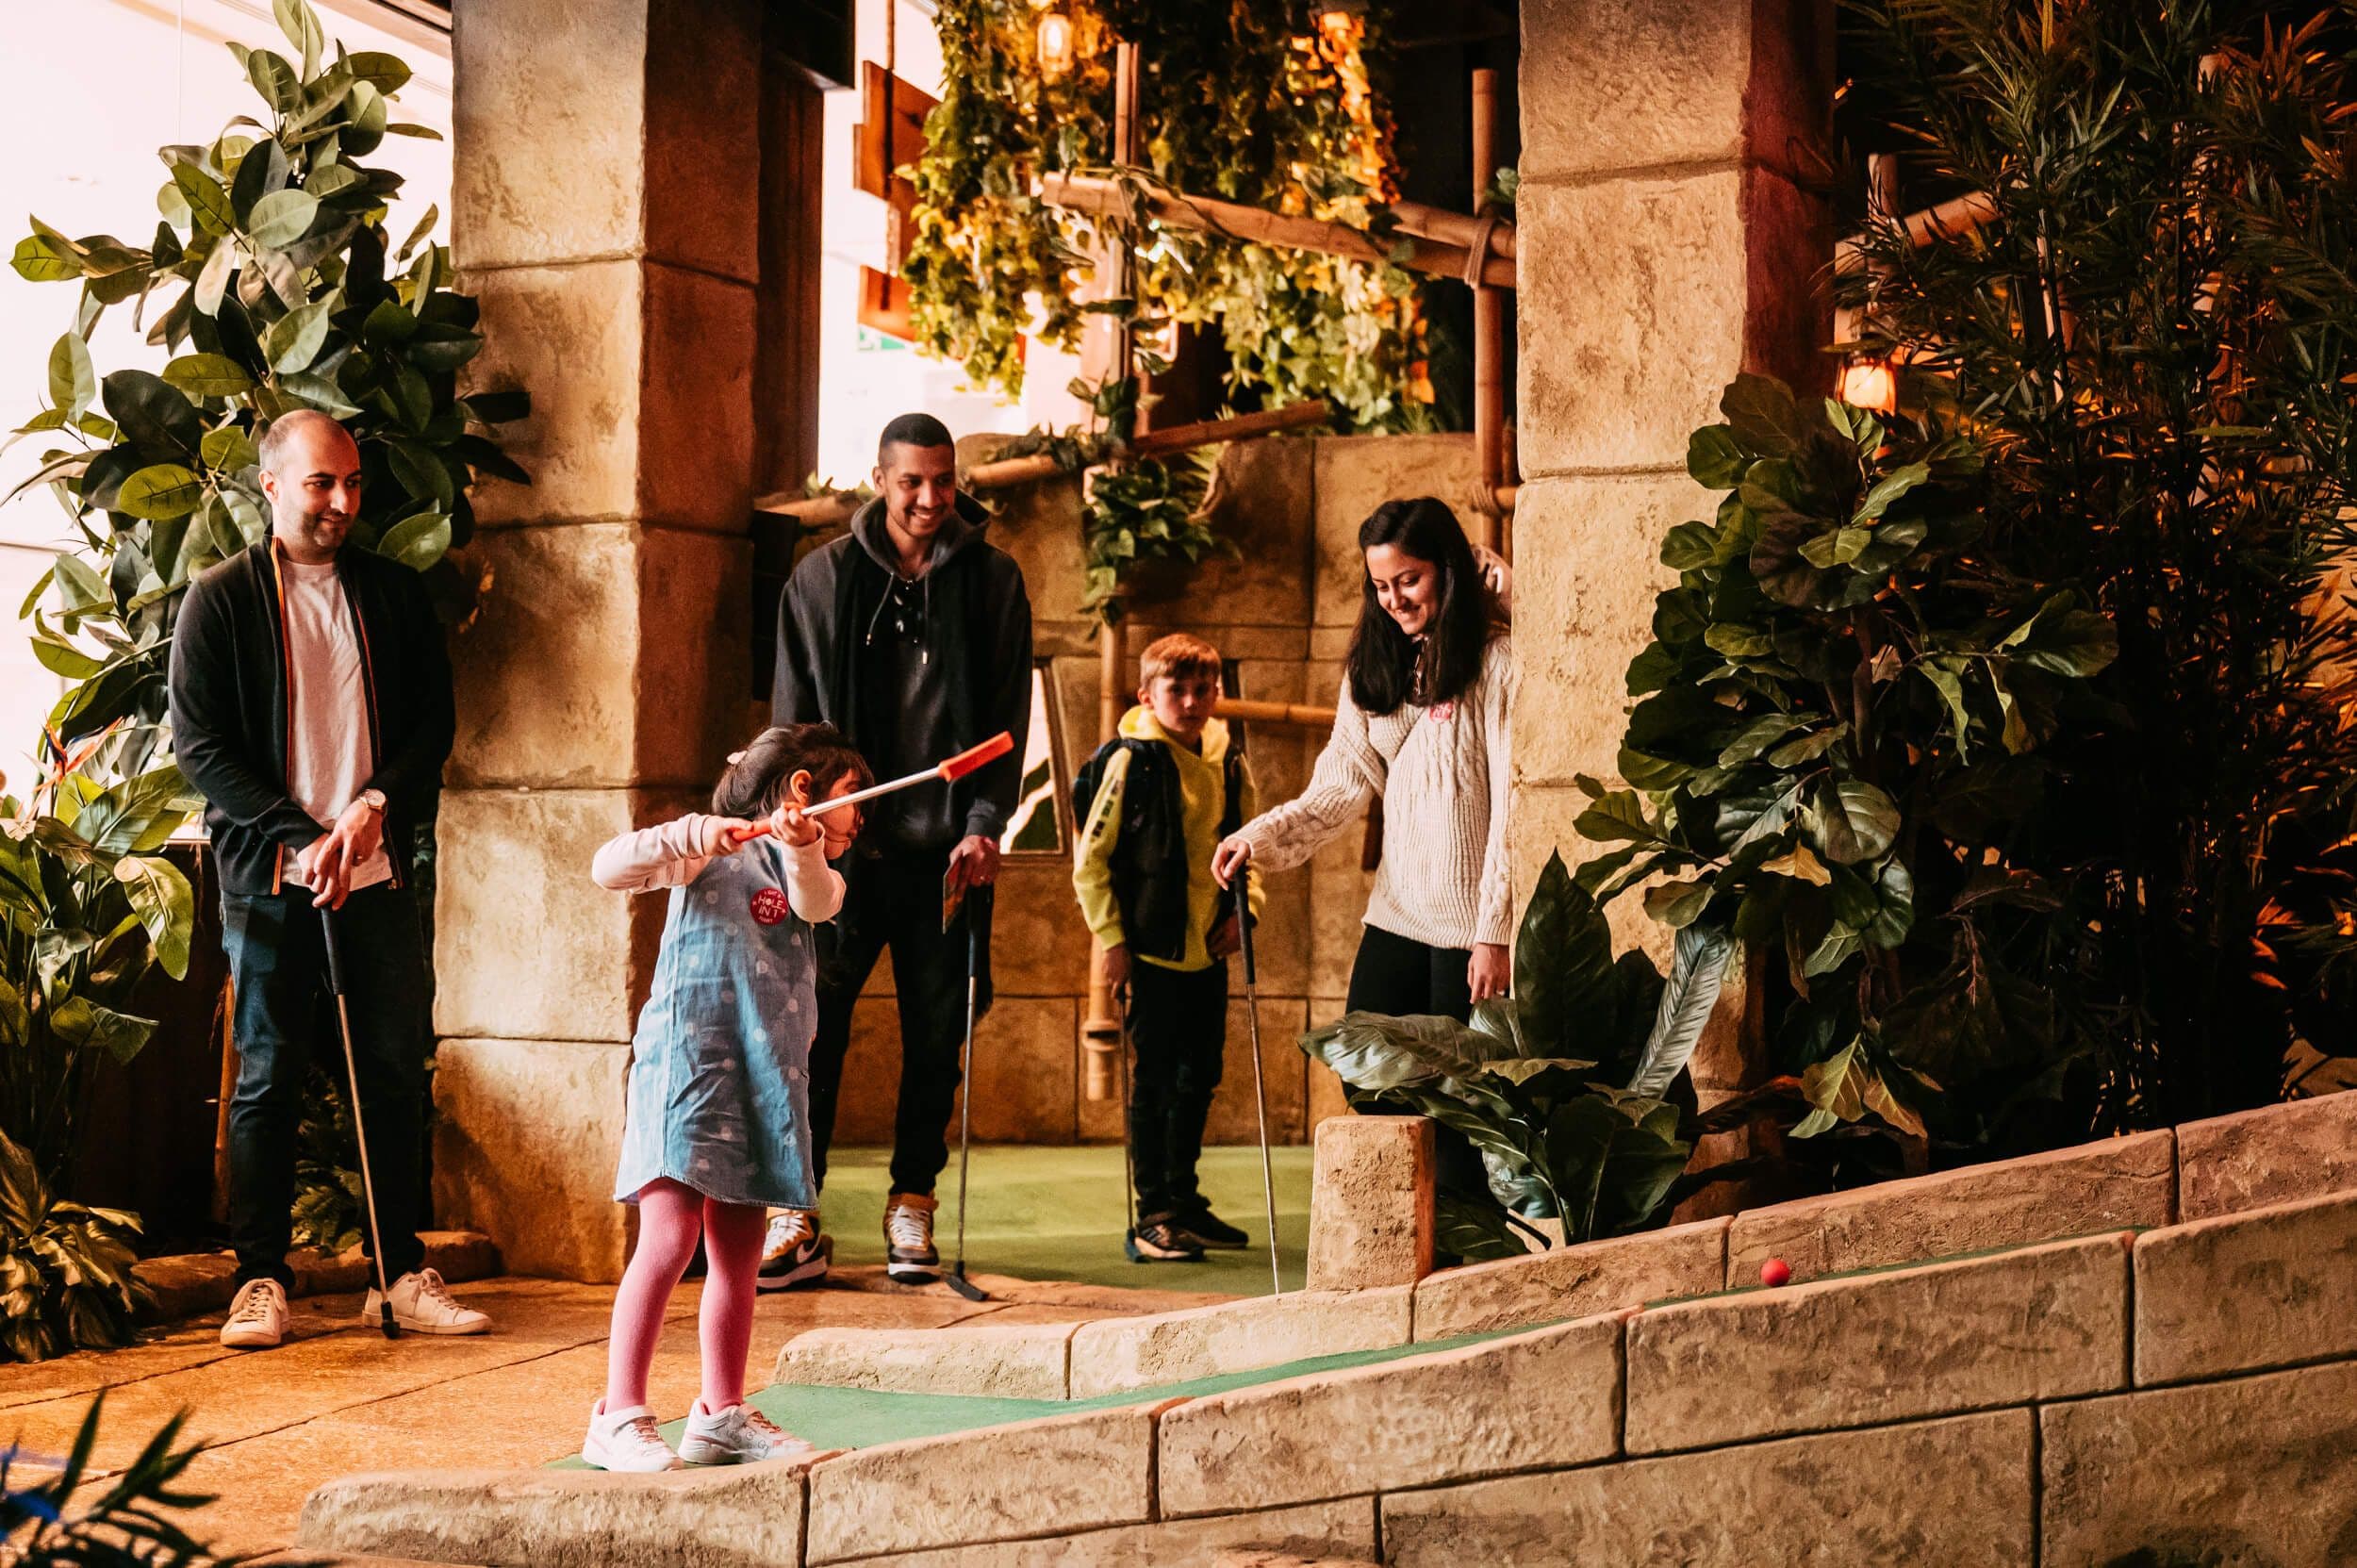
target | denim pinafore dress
x=719, y=1072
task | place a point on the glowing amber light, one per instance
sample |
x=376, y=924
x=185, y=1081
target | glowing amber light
x=1869, y=384
x=1055, y=43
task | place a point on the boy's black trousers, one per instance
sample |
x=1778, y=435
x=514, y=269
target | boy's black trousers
x=1178, y=1026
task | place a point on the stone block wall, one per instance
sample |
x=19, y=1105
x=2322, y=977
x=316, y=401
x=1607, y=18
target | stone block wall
x=2178, y=1394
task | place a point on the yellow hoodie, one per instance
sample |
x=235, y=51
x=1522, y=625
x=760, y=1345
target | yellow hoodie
x=1202, y=791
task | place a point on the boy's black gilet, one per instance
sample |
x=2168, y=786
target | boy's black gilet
x=1149, y=858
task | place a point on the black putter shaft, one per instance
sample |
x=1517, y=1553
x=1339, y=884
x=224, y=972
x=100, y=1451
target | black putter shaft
x=956, y=1276
x=359, y=1127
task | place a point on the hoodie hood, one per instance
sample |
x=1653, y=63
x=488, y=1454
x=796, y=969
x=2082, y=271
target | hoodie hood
x=1139, y=723
x=965, y=526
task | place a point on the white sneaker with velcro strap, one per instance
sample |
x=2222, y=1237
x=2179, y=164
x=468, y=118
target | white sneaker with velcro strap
x=738, y=1435
x=626, y=1441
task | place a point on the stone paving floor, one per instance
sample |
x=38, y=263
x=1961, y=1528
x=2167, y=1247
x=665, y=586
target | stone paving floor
x=339, y=1398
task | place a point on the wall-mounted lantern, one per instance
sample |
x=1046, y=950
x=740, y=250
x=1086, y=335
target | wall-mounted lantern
x=1055, y=43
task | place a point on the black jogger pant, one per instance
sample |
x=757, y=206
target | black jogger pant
x=1402, y=977
x=893, y=898
x=1179, y=1028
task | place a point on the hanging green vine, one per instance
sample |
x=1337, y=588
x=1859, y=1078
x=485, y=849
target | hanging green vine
x=1249, y=102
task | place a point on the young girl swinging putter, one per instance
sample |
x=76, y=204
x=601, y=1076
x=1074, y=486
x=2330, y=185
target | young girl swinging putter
x=718, y=1129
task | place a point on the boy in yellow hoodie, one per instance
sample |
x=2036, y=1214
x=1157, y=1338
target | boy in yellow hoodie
x=1158, y=801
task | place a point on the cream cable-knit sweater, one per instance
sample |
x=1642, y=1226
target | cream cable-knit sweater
x=1443, y=772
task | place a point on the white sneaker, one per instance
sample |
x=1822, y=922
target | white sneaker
x=738, y=1435
x=421, y=1305
x=793, y=1253
x=258, y=1318
x=626, y=1441
x=909, y=1253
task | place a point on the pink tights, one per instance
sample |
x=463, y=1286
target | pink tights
x=670, y=1218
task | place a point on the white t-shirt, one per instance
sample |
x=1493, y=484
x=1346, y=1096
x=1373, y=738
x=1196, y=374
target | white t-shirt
x=327, y=738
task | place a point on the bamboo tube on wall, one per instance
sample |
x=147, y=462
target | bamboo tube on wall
x=1453, y=228
x=1298, y=715
x=1489, y=329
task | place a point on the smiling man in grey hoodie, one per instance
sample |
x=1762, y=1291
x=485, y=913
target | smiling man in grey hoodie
x=912, y=635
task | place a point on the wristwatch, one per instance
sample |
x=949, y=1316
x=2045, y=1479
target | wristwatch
x=373, y=800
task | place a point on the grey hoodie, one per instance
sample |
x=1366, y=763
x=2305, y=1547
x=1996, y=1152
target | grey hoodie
x=913, y=671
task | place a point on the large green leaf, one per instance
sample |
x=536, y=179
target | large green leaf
x=1565, y=984
x=87, y=1025
x=282, y=218
x=1698, y=970
x=1611, y=1159
x=274, y=77
x=1714, y=459
x=160, y=491
x=165, y=905
x=1851, y=820
x=229, y=449
x=209, y=376
x=293, y=341
x=387, y=74
x=1374, y=1052
x=262, y=171
x=153, y=413
x=72, y=382
x=208, y=204
x=417, y=542
x=1763, y=416
x=38, y=259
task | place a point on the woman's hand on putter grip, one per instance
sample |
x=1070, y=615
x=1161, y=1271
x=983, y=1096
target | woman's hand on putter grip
x=1230, y=858
x=1489, y=972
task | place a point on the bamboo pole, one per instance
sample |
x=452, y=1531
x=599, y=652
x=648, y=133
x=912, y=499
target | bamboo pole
x=825, y=510
x=1489, y=332
x=1102, y=197
x=1300, y=716
x=1453, y=228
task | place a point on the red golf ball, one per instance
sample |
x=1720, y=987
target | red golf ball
x=1776, y=1271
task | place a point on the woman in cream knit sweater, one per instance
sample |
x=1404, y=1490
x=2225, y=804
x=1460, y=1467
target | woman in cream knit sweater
x=1422, y=722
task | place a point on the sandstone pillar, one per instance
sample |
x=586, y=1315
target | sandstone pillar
x=1371, y=1219
x=1667, y=242
x=604, y=210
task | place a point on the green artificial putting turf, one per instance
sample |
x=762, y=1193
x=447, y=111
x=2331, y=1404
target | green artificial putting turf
x=860, y=1418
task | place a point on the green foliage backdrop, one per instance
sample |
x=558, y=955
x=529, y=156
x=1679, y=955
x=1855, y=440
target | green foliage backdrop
x=1241, y=100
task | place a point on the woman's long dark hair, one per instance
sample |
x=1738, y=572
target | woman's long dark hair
x=1386, y=666
x=758, y=776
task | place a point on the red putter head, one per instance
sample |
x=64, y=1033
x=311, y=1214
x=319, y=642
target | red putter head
x=975, y=756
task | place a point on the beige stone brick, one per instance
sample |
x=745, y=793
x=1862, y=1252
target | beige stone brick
x=1266, y=510
x=1371, y=1203
x=1025, y=1361
x=1953, y=1492
x=738, y=1517
x=2272, y=1155
x=1344, y=1528
x=2043, y=1323
x=1060, y=1473
x=1712, y=270
x=1573, y=1281
x=500, y=1166
x=2255, y=1470
x=578, y=623
x=1113, y=1354
x=1531, y=1401
x=641, y=382
x=2269, y=1288
x=2117, y=1183
x=619, y=127
x=1039, y=945
x=580, y=966
x=1235, y=1118
x=1588, y=566
x=1355, y=474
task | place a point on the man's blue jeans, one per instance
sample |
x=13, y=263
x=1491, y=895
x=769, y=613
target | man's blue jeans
x=277, y=954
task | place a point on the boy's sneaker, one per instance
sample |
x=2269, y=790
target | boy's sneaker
x=738, y=1435
x=1161, y=1241
x=794, y=1254
x=258, y=1318
x=909, y=1253
x=421, y=1305
x=626, y=1441
x=1209, y=1230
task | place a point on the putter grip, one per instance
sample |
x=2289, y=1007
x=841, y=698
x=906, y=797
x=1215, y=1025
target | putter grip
x=1243, y=923
x=334, y=959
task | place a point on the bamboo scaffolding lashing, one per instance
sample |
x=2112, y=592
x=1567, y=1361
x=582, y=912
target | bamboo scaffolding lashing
x=1107, y=198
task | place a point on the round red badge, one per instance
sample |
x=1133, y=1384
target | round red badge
x=770, y=906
